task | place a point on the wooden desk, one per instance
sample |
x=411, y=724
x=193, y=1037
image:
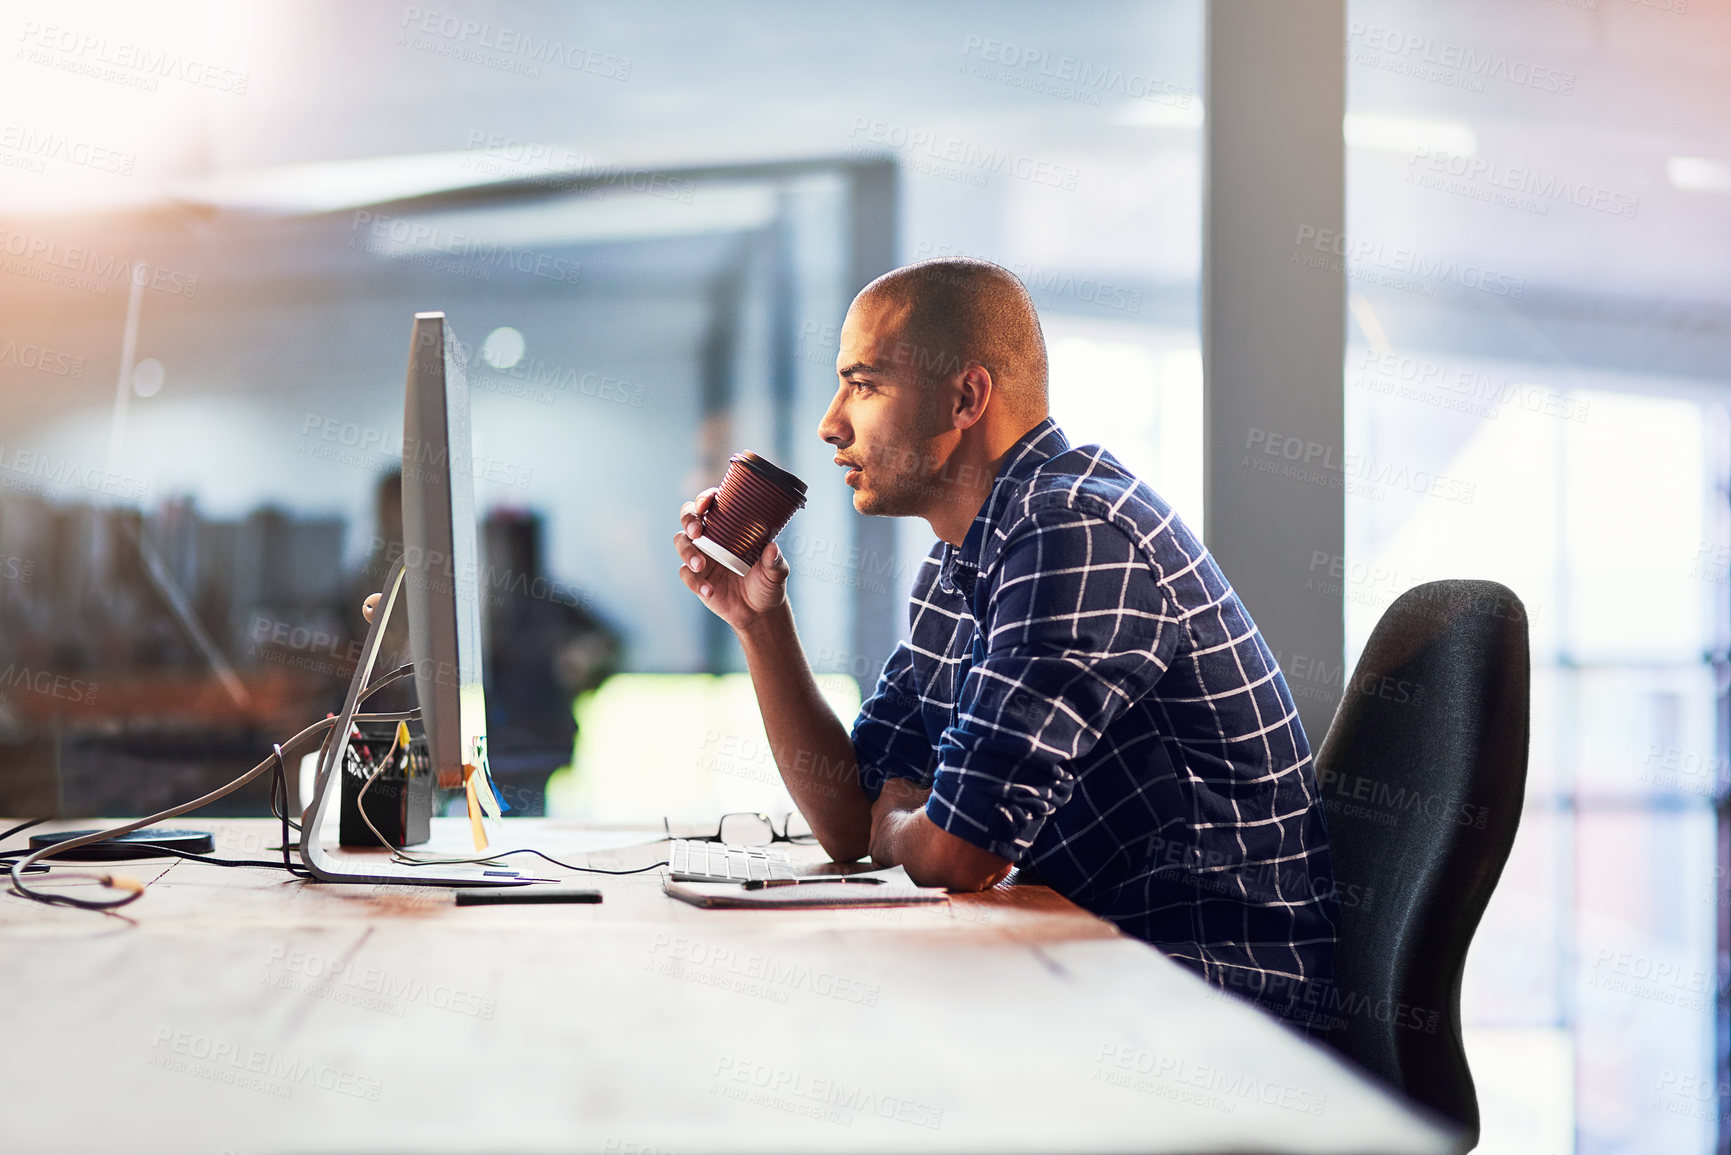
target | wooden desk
x=238, y=1010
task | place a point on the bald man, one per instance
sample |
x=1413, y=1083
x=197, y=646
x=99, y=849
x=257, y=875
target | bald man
x=1082, y=696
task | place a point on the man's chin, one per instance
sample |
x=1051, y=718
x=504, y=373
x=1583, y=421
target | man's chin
x=874, y=504
x=864, y=500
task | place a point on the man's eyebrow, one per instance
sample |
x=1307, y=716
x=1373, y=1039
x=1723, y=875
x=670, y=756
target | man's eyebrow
x=857, y=367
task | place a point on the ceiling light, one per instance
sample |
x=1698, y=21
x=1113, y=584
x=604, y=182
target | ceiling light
x=503, y=348
x=1408, y=134
x=1698, y=174
x=1152, y=114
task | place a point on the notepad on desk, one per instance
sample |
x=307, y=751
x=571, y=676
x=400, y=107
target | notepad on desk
x=806, y=896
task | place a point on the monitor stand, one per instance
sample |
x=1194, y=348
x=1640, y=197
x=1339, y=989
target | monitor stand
x=327, y=867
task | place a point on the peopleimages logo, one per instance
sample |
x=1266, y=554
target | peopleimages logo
x=1484, y=179
x=1050, y=282
x=972, y=158
x=48, y=684
x=1652, y=979
x=1464, y=390
x=1392, y=801
x=122, y=61
x=1448, y=62
x=254, y=1068
x=1117, y=1064
x=1398, y=268
x=412, y=237
x=85, y=262
x=352, y=444
x=1357, y=473
x=32, y=472
x=499, y=155
x=522, y=51
x=759, y=975
x=493, y=581
x=369, y=987
x=1066, y=77
x=824, y=1099
x=43, y=360
x=42, y=147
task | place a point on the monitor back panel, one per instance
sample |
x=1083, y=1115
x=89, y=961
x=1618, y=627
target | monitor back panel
x=440, y=550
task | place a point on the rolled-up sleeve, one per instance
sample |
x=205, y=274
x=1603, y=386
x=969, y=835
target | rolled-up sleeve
x=889, y=738
x=1075, y=630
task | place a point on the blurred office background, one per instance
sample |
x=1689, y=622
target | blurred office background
x=645, y=223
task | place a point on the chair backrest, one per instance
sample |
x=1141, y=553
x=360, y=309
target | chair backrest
x=1422, y=773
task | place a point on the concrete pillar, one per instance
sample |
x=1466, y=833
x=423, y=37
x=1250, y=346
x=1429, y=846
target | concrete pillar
x=1274, y=328
x=872, y=228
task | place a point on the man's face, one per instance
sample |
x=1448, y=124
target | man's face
x=887, y=421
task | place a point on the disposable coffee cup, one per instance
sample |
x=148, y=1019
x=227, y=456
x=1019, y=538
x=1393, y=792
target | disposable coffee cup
x=755, y=503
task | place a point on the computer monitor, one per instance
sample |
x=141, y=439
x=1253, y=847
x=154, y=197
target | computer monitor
x=440, y=552
x=438, y=577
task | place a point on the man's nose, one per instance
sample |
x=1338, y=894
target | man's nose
x=833, y=429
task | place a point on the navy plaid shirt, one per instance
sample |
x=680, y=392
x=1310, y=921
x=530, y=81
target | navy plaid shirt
x=1087, y=698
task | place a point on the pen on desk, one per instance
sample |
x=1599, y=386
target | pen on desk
x=760, y=883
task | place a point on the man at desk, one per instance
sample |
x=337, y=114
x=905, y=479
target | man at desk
x=1083, y=696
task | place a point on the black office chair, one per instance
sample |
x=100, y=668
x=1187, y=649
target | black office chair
x=1422, y=773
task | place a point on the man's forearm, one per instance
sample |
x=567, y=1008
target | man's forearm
x=903, y=836
x=811, y=746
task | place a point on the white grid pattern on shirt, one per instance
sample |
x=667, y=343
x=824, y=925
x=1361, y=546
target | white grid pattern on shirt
x=1087, y=696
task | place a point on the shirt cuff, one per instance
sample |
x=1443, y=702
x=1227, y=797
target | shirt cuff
x=872, y=779
x=986, y=830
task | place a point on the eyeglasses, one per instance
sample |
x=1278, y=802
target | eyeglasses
x=749, y=828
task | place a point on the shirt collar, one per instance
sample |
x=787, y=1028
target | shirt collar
x=961, y=564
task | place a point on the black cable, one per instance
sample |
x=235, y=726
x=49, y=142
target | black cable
x=21, y=827
x=149, y=850
x=156, y=850
x=538, y=854
x=584, y=869
x=384, y=680
x=277, y=766
x=281, y=780
x=196, y=857
x=135, y=888
x=379, y=768
x=132, y=886
x=279, y=785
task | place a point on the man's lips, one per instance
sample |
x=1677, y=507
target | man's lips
x=850, y=470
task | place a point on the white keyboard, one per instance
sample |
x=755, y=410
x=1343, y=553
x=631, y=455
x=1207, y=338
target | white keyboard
x=720, y=862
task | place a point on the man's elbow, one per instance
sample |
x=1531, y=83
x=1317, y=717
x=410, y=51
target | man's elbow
x=845, y=841
x=842, y=848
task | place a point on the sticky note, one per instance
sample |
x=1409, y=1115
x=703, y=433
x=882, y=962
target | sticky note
x=475, y=828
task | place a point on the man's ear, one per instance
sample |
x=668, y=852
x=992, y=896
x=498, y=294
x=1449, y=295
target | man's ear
x=974, y=389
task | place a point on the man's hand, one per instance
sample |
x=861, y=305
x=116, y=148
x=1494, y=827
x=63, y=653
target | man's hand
x=902, y=835
x=899, y=794
x=810, y=745
x=738, y=601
